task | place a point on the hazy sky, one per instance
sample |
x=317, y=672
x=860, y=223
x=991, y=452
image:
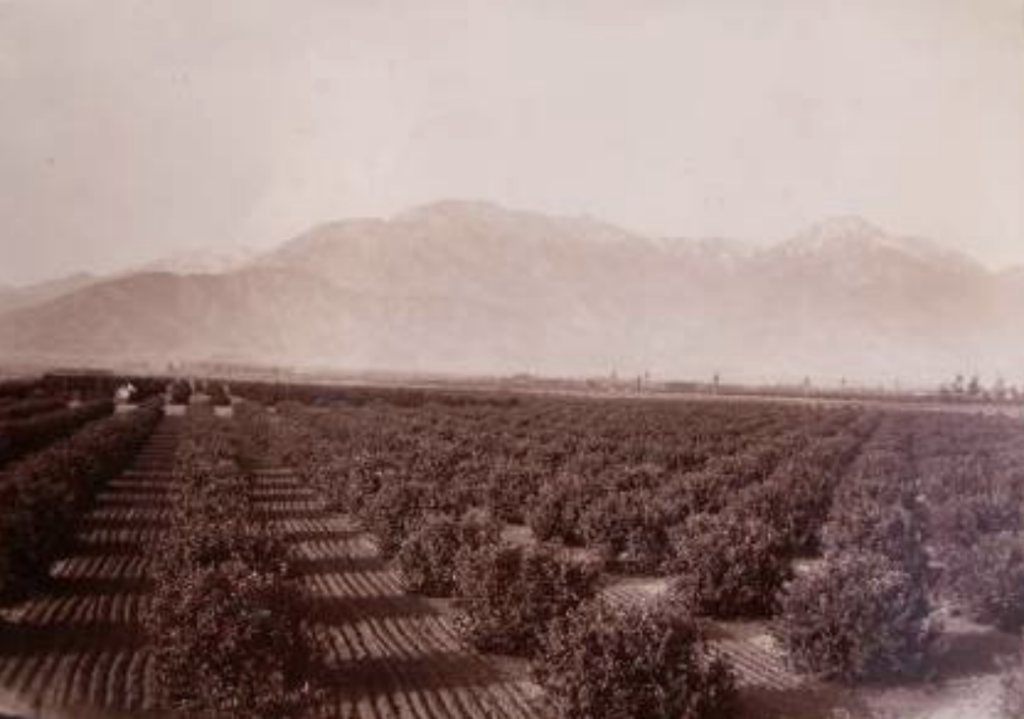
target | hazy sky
x=130, y=130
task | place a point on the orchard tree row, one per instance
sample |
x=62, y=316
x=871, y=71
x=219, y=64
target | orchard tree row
x=21, y=436
x=753, y=510
x=42, y=495
x=226, y=621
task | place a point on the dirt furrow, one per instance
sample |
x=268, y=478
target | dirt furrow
x=395, y=654
x=79, y=642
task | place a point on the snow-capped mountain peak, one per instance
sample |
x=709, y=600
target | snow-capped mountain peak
x=852, y=239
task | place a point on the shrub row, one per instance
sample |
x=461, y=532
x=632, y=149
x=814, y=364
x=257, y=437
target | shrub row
x=19, y=388
x=932, y=509
x=863, y=612
x=508, y=597
x=857, y=616
x=620, y=492
x=179, y=392
x=429, y=557
x=729, y=565
x=23, y=436
x=726, y=529
x=973, y=488
x=722, y=497
x=226, y=620
x=42, y=495
x=20, y=409
x=100, y=385
x=270, y=393
x=601, y=662
x=595, y=662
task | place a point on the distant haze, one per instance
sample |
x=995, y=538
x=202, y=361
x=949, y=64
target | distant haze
x=475, y=288
x=133, y=130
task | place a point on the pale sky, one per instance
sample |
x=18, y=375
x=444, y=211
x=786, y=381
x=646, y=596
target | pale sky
x=135, y=129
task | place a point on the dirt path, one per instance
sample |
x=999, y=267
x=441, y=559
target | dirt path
x=392, y=655
x=769, y=689
x=78, y=647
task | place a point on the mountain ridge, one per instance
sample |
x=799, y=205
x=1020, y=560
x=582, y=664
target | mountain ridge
x=474, y=287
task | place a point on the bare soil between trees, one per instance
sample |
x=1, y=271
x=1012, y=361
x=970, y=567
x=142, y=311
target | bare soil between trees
x=77, y=649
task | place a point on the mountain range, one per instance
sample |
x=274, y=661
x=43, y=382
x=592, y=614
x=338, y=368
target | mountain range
x=472, y=287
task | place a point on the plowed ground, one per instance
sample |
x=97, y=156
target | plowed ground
x=78, y=646
x=391, y=655
x=78, y=650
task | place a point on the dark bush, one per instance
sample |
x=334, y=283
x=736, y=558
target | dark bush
x=857, y=617
x=728, y=565
x=19, y=438
x=19, y=388
x=42, y=495
x=988, y=578
x=180, y=392
x=894, y=530
x=507, y=596
x=628, y=530
x=30, y=406
x=363, y=476
x=511, y=489
x=427, y=557
x=393, y=513
x=230, y=642
x=558, y=509
x=680, y=497
x=962, y=520
x=650, y=662
x=226, y=621
x=219, y=396
x=795, y=504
